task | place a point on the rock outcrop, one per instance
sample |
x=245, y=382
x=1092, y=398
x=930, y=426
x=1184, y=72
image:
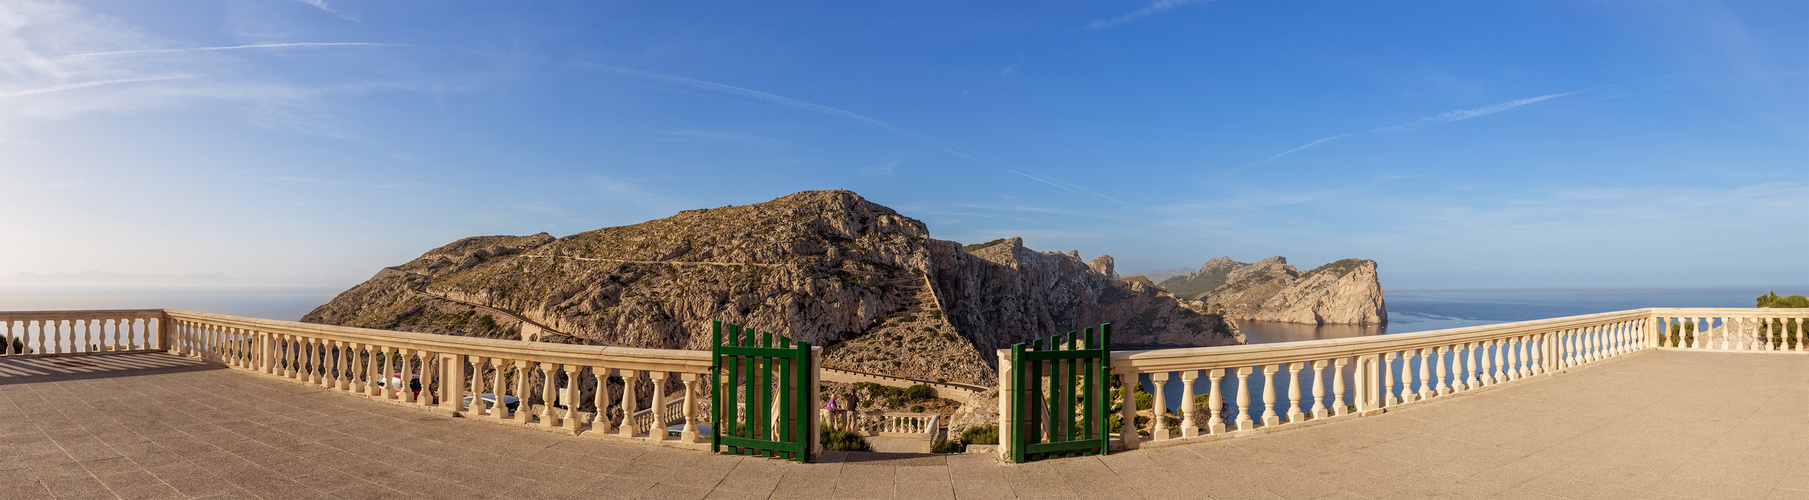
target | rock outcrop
x=1343, y=292
x=826, y=267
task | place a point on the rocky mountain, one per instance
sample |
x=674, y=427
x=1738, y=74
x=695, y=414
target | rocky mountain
x=1344, y=292
x=827, y=267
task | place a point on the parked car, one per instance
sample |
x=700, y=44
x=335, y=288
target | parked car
x=509, y=402
x=703, y=430
x=414, y=385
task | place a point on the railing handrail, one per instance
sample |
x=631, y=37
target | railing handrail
x=616, y=357
x=1147, y=360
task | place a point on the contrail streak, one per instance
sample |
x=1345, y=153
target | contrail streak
x=230, y=47
x=94, y=83
x=1439, y=119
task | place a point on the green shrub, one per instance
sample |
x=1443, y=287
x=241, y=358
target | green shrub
x=1773, y=300
x=917, y=409
x=918, y=391
x=987, y=434
x=947, y=446
x=842, y=440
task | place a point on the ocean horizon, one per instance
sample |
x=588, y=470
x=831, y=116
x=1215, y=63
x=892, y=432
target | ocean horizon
x=1409, y=310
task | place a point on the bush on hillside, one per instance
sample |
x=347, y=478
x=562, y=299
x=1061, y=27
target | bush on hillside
x=986, y=434
x=842, y=440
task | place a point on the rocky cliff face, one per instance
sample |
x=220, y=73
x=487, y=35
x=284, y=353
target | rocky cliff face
x=826, y=267
x=1343, y=292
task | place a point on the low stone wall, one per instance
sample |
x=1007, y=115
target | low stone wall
x=959, y=392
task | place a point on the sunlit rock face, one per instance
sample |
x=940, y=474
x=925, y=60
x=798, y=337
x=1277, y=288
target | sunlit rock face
x=826, y=267
x=1343, y=292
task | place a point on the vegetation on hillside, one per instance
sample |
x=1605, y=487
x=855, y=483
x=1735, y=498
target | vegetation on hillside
x=1773, y=300
x=842, y=440
x=977, y=246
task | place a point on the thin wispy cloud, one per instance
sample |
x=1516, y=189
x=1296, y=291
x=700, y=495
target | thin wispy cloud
x=946, y=146
x=228, y=47
x=1158, y=7
x=1439, y=119
x=886, y=166
x=322, y=5
x=1465, y=114
x=1296, y=150
x=91, y=83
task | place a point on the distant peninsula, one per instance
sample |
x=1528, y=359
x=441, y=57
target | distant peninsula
x=1343, y=292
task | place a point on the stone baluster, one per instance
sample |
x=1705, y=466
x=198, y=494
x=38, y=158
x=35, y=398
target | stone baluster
x=522, y=370
x=1513, y=367
x=341, y=377
x=1388, y=397
x=405, y=361
x=1501, y=368
x=1215, y=402
x=549, y=381
x=1750, y=327
x=1471, y=367
x=476, y=408
x=1535, y=348
x=1294, y=413
x=600, y=423
x=1189, y=426
x=6, y=337
x=1339, y=405
x=499, y=409
x=629, y=405
x=1319, y=410
x=690, y=433
x=656, y=429
x=387, y=359
x=1269, y=416
x=1159, y=411
x=1442, y=353
x=1595, y=343
x=1427, y=390
x=1244, y=413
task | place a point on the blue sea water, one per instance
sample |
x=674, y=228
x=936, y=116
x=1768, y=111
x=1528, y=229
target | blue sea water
x=289, y=303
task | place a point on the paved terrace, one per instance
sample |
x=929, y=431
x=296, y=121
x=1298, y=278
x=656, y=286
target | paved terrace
x=1653, y=424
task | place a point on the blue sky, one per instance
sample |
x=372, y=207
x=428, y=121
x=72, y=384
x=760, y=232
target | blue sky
x=1460, y=144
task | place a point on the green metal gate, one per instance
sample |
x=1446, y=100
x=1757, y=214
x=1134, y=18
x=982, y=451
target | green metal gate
x=1060, y=387
x=760, y=394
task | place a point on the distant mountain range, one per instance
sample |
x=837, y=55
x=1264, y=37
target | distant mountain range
x=104, y=279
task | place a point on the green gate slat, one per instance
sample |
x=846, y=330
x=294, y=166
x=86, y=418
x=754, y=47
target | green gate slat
x=1069, y=419
x=744, y=409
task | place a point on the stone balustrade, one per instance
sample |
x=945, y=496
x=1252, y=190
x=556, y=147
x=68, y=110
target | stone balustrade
x=451, y=371
x=1732, y=329
x=72, y=332
x=882, y=423
x=1256, y=388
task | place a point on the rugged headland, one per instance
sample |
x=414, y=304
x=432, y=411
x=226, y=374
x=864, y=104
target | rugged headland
x=1342, y=292
x=827, y=267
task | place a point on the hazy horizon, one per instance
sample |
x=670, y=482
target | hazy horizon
x=1458, y=144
